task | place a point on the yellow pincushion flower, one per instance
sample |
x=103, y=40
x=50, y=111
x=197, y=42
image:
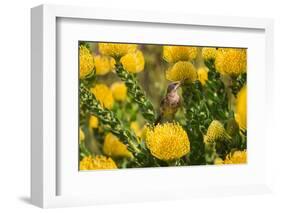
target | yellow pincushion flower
x=202, y=73
x=116, y=50
x=113, y=147
x=209, y=53
x=96, y=163
x=144, y=131
x=104, y=95
x=173, y=54
x=133, y=62
x=103, y=64
x=93, y=122
x=136, y=128
x=215, y=132
x=218, y=161
x=237, y=157
x=231, y=61
x=81, y=135
x=119, y=91
x=86, y=62
x=168, y=141
x=241, y=108
x=182, y=70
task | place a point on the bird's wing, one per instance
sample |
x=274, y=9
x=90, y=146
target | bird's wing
x=162, y=105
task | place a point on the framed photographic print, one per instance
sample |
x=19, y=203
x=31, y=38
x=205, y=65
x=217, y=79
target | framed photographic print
x=130, y=106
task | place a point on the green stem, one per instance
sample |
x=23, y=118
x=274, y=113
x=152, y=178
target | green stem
x=195, y=116
x=136, y=93
x=84, y=149
x=237, y=83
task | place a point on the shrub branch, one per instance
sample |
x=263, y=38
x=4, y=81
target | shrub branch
x=90, y=104
x=136, y=93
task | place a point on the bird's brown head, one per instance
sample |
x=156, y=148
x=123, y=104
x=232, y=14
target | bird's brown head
x=172, y=87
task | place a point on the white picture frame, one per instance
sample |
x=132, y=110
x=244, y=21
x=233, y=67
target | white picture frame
x=45, y=171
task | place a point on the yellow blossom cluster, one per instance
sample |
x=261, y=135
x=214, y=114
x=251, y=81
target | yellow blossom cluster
x=241, y=108
x=218, y=161
x=119, y=91
x=133, y=62
x=202, y=73
x=182, y=70
x=103, y=64
x=104, y=95
x=116, y=50
x=136, y=128
x=96, y=163
x=231, y=61
x=215, y=132
x=86, y=62
x=113, y=147
x=209, y=53
x=93, y=122
x=173, y=54
x=168, y=141
x=237, y=157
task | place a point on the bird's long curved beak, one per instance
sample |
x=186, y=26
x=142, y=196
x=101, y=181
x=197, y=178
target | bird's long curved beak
x=178, y=85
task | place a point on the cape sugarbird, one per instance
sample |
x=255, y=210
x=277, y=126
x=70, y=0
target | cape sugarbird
x=170, y=103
